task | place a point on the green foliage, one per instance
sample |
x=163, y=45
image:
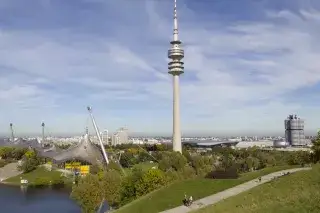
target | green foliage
x=114, y=166
x=316, y=148
x=172, y=160
x=12, y=153
x=29, y=165
x=128, y=159
x=111, y=183
x=30, y=154
x=95, y=169
x=187, y=172
x=41, y=182
x=299, y=158
x=129, y=191
x=171, y=195
x=88, y=193
x=150, y=180
x=143, y=157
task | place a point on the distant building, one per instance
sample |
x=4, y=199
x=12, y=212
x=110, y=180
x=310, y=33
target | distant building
x=120, y=137
x=294, y=131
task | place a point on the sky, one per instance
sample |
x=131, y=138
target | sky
x=248, y=65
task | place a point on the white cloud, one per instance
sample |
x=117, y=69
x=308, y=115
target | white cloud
x=226, y=68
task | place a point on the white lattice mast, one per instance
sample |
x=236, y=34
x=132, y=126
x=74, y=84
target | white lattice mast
x=175, y=67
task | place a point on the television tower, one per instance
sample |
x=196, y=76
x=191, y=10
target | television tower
x=175, y=67
x=12, y=135
x=42, y=124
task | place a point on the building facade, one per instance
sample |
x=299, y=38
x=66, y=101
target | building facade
x=121, y=136
x=294, y=131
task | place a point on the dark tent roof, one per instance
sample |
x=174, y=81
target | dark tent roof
x=85, y=151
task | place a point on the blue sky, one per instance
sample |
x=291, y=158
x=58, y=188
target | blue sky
x=248, y=64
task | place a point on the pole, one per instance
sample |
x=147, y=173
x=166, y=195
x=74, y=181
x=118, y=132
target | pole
x=99, y=137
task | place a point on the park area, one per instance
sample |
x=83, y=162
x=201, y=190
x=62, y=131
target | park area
x=295, y=193
x=172, y=195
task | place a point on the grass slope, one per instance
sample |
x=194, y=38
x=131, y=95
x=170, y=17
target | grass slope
x=296, y=193
x=31, y=176
x=172, y=195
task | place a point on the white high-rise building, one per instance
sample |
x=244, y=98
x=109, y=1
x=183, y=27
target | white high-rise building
x=120, y=137
x=175, y=67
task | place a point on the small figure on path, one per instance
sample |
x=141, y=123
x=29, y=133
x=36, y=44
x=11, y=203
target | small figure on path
x=190, y=200
x=259, y=179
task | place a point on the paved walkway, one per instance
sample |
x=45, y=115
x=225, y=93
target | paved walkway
x=8, y=171
x=212, y=199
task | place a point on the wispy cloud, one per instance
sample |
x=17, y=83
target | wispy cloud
x=242, y=69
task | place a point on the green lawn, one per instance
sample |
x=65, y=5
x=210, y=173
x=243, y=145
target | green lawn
x=296, y=193
x=144, y=166
x=31, y=176
x=172, y=195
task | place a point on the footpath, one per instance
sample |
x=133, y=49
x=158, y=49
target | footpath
x=8, y=171
x=212, y=199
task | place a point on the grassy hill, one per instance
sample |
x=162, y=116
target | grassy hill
x=172, y=195
x=296, y=193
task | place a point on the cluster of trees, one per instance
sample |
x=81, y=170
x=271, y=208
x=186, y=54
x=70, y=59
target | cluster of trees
x=10, y=154
x=118, y=189
x=30, y=162
x=29, y=157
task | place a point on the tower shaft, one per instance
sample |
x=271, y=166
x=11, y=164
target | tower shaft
x=176, y=68
x=43, y=138
x=12, y=134
x=176, y=138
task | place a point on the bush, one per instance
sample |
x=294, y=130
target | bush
x=150, y=180
x=172, y=160
x=187, y=172
x=29, y=165
x=230, y=173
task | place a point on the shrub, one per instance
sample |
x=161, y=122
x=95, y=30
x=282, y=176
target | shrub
x=29, y=165
x=150, y=180
x=171, y=160
x=230, y=173
x=187, y=172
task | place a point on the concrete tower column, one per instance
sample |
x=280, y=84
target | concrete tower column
x=176, y=68
x=177, y=146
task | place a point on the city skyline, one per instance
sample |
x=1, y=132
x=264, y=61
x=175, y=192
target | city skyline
x=248, y=65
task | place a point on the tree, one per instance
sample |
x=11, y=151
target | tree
x=129, y=192
x=29, y=165
x=316, y=148
x=88, y=193
x=150, y=180
x=128, y=159
x=111, y=182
